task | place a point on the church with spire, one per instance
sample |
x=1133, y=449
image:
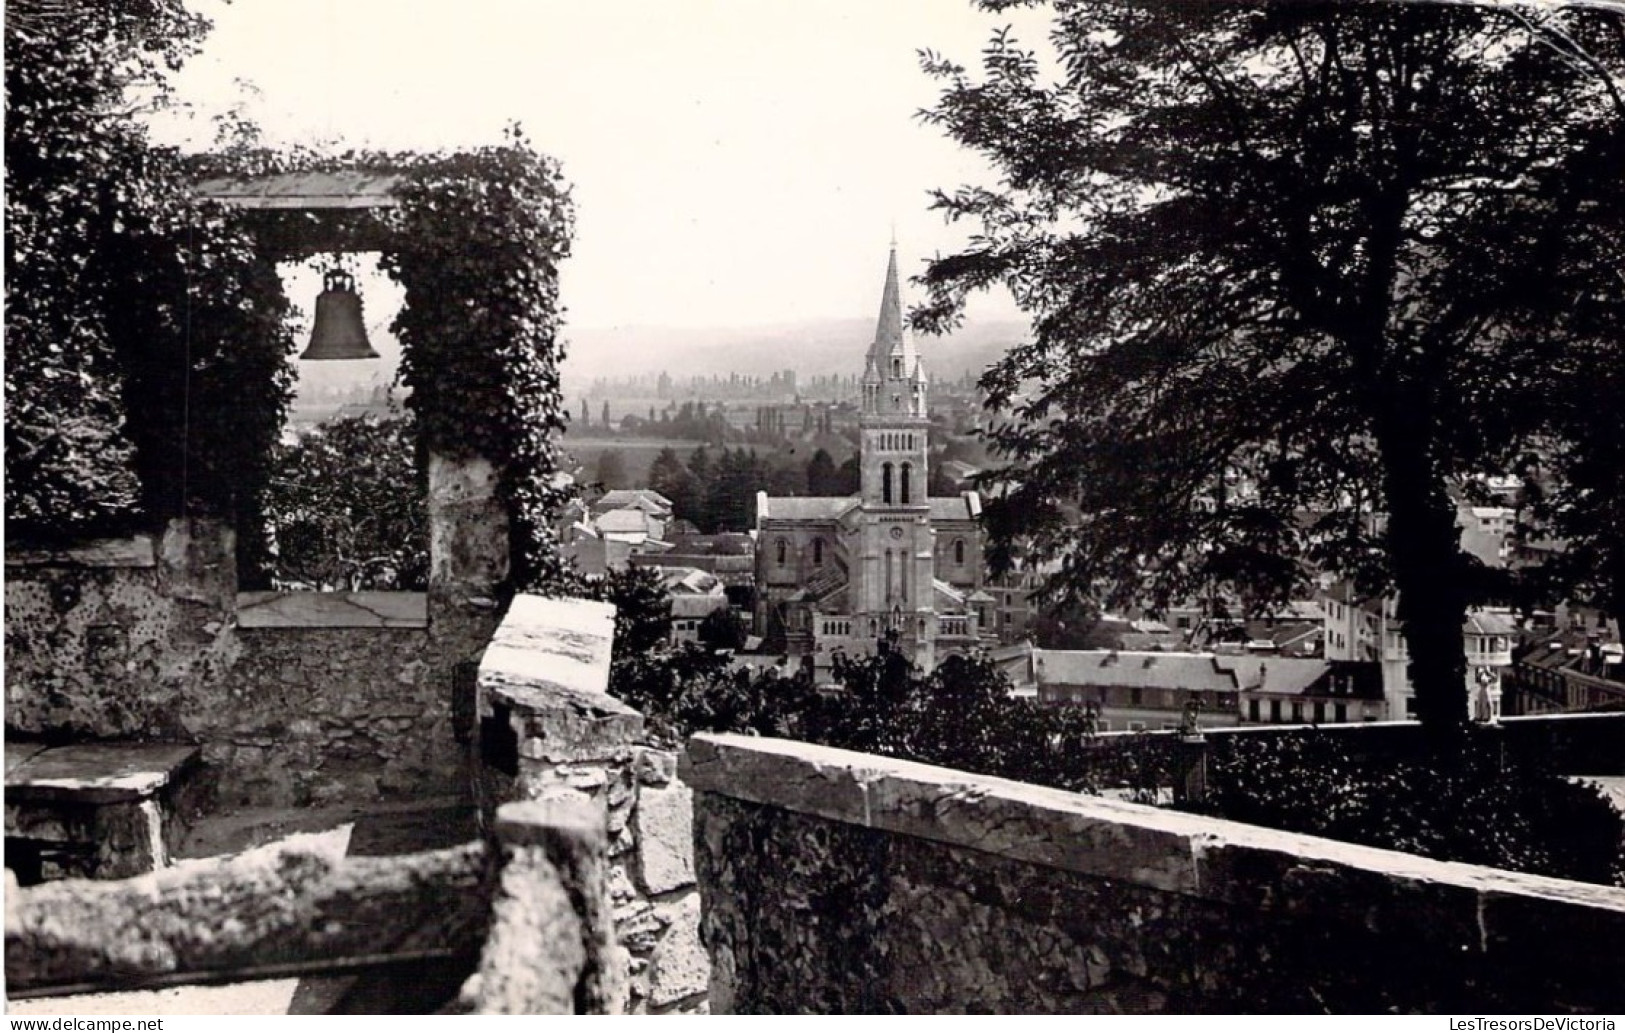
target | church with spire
x=891, y=563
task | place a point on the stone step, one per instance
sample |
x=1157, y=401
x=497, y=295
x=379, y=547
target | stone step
x=94, y=810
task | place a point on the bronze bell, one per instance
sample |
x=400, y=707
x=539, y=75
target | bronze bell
x=339, y=332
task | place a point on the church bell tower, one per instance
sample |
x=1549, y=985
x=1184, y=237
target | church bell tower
x=897, y=547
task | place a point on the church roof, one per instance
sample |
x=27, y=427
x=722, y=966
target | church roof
x=952, y=507
x=823, y=587
x=813, y=507
x=892, y=339
x=804, y=507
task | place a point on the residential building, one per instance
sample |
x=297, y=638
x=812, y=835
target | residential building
x=1297, y=690
x=1571, y=669
x=1368, y=629
x=694, y=595
x=1137, y=691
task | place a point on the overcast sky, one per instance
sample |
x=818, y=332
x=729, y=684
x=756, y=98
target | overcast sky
x=733, y=161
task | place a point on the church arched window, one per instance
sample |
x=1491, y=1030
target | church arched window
x=897, y=367
x=782, y=548
x=818, y=552
x=959, y=551
x=903, y=485
x=885, y=483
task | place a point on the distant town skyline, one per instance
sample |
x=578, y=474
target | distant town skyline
x=734, y=162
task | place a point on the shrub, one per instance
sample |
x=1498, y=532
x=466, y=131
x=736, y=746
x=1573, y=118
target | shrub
x=1477, y=810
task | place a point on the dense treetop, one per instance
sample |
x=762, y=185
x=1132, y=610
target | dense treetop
x=1295, y=271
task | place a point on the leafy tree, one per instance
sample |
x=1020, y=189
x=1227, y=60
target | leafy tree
x=611, y=469
x=822, y=477
x=347, y=507
x=940, y=486
x=723, y=629
x=1293, y=270
x=642, y=609
x=668, y=476
x=731, y=496
x=145, y=353
x=1516, y=817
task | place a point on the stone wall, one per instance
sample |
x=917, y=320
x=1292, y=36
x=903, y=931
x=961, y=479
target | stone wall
x=301, y=698
x=518, y=924
x=841, y=882
x=549, y=731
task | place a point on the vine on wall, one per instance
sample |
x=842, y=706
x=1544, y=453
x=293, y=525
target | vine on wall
x=475, y=238
x=481, y=235
x=146, y=372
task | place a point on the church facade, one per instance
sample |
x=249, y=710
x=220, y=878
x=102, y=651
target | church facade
x=890, y=562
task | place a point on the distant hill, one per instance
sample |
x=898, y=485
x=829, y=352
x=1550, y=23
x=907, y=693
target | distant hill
x=812, y=348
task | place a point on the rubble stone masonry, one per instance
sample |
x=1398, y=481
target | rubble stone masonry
x=841, y=882
x=549, y=731
x=294, y=698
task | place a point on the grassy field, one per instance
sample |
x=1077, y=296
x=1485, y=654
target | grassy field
x=636, y=453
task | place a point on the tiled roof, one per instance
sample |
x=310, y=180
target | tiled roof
x=1275, y=674
x=646, y=499
x=810, y=507
x=1193, y=671
x=951, y=507
x=624, y=520
x=823, y=584
x=690, y=581
x=946, y=592
x=1483, y=622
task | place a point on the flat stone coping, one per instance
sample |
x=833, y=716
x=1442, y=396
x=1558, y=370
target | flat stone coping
x=332, y=610
x=136, y=551
x=1192, y=855
x=551, y=644
x=94, y=772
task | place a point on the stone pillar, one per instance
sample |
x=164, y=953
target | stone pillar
x=468, y=548
x=551, y=732
x=468, y=580
x=550, y=949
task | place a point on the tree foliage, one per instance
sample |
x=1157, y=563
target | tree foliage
x=822, y=477
x=1516, y=817
x=723, y=629
x=348, y=508
x=146, y=372
x=1294, y=271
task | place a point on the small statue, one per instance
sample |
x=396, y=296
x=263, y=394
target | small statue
x=1190, y=725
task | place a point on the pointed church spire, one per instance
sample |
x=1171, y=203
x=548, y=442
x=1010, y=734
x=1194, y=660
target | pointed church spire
x=891, y=340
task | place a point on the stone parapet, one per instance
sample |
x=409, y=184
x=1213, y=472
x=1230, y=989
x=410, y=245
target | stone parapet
x=549, y=733
x=838, y=881
x=545, y=674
